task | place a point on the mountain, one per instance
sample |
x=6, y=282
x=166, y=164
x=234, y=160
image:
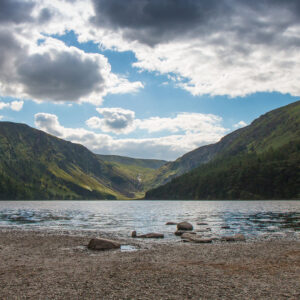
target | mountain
x=259, y=161
x=36, y=165
x=273, y=129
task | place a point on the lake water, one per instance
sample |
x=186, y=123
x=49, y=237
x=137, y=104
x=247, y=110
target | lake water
x=255, y=219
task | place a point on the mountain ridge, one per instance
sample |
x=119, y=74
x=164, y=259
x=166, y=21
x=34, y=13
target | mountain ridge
x=260, y=143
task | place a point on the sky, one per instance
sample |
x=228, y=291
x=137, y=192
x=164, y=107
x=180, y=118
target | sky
x=146, y=78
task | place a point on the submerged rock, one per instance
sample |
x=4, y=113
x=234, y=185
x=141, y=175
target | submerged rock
x=184, y=226
x=225, y=227
x=234, y=238
x=103, y=244
x=202, y=223
x=151, y=235
x=171, y=223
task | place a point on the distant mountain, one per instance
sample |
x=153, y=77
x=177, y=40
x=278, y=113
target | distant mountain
x=259, y=161
x=36, y=165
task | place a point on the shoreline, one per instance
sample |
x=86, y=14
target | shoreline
x=40, y=265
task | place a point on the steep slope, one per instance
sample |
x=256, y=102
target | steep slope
x=36, y=165
x=273, y=129
x=260, y=161
x=141, y=171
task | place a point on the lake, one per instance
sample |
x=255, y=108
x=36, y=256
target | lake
x=255, y=219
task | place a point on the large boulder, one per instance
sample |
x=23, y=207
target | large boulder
x=151, y=235
x=103, y=244
x=184, y=226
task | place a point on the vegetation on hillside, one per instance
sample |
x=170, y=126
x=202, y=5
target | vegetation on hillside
x=260, y=161
x=36, y=165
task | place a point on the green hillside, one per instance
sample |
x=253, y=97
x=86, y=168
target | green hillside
x=36, y=165
x=260, y=161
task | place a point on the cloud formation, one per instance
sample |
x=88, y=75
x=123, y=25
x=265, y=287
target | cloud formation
x=14, y=105
x=230, y=47
x=240, y=124
x=168, y=147
x=35, y=66
x=116, y=120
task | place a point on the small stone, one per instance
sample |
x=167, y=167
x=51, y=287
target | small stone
x=180, y=232
x=202, y=223
x=103, y=244
x=225, y=227
x=184, y=226
x=171, y=223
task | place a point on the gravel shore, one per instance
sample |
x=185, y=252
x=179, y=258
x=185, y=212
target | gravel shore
x=37, y=265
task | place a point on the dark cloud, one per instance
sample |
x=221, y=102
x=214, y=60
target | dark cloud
x=156, y=21
x=15, y=11
x=60, y=76
x=45, y=15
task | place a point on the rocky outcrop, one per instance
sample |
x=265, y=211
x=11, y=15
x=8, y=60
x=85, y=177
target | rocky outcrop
x=184, y=226
x=151, y=235
x=103, y=244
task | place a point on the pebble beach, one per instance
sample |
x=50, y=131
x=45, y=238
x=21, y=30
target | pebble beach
x=50, y=265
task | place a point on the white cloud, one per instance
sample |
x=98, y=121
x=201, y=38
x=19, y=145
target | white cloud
x=240, y=124
x=14, y=105
x=38, y=67
x=168, y=147
x=117, y=120
x=1, y=117
x=212, y=47
x=207, y=124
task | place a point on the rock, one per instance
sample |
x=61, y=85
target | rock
x=151, y=235
x=171, y=223
x=202, y=223
x=184, y=226
x=195, y=239
x=180, y=232
x=188, y=235
x=203, y=230
x=234, y=238
x=202, y=241
x=103, y=244
x=225, y=227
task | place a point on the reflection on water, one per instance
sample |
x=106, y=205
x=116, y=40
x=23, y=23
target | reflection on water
x=252, y=218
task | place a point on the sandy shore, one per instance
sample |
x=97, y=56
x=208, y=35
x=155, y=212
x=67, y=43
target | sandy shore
x=36, y=265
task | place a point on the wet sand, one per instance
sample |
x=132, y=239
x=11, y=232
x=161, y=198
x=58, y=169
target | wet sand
x=37, y=265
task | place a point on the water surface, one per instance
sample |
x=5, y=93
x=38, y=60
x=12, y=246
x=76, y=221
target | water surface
x=255, y=219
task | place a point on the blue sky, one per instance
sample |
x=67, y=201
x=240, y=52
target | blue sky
x=150, y=79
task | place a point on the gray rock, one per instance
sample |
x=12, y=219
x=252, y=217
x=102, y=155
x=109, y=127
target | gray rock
x=188, y=235
x=195, y=238
x=234, y=238
x=103, y=244
x=180, y=232
x=184, y=226
x=151, y=235
x=171, y=223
